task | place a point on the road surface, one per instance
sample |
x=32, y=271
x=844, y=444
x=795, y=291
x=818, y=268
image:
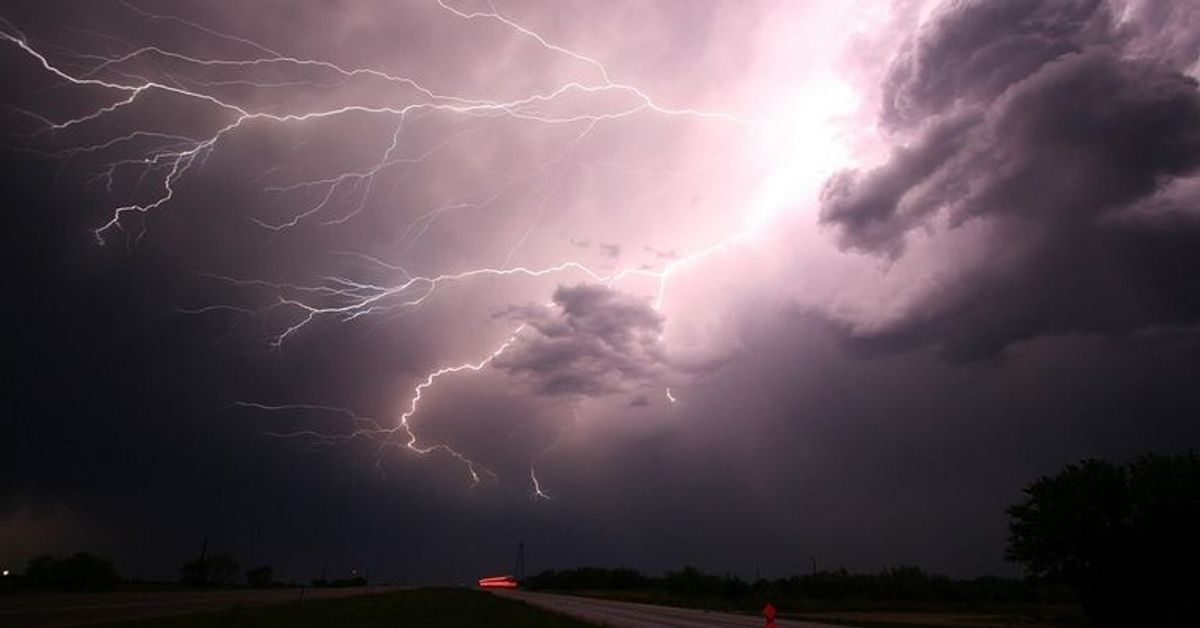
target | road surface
x=83, y=609
x=631, y=615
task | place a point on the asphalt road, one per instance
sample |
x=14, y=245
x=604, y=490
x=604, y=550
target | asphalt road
x=84, y=609
x=630, y=615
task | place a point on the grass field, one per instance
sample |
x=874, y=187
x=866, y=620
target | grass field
x=427, y=608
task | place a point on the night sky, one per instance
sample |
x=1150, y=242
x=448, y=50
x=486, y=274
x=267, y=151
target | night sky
x=395, y=285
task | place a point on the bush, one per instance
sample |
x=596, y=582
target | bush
x=78, y=572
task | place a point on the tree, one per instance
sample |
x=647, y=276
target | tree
x=213, y=569
x=263, y=576
x=1124, y=536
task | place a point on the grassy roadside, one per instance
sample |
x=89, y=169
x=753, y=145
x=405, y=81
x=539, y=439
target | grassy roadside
x=883, y=619
x=431, y=608
x=871, y=614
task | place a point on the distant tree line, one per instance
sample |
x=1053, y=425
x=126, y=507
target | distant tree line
x=209, y=570
x=220, y=569
x=79, y=572
x=84, y=571
x=357, y=581
x=903, y=584
x=1121, y=539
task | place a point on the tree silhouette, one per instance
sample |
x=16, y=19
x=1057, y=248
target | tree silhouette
x=1126, y=537
x=207, y=570
x=263, y=576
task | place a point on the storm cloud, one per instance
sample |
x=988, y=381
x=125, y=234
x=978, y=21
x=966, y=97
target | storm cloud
x=592, y=341
x=1072, y=149
x=733, y=284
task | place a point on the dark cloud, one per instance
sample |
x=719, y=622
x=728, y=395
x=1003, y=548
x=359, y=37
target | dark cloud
x=876, y=208
x=973, y=51
x=594, y=340
x=1060, y=152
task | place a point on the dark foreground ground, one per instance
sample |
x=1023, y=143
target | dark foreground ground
x=92, y=609
x=366, y=607
x=369, y=607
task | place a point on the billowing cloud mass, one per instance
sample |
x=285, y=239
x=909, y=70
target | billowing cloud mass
x=396, y=284
x=593, y=340
x=1071, y=138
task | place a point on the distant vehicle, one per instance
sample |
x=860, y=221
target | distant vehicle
x=498, y=582
x=506, y=581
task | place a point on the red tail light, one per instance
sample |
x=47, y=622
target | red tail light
x=498, y=582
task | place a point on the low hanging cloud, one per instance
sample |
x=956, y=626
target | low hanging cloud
x=1074, y=136
x=592, y=341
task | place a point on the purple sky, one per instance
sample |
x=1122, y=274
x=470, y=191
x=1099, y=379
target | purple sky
x=397, y=284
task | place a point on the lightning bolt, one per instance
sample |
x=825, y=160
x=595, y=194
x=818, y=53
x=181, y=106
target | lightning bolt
x=370, y=428
x=538, y=493
x=171, y=157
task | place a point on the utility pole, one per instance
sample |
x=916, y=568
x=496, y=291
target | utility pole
x=204, y=560
x=201, y=576
x=519, y=567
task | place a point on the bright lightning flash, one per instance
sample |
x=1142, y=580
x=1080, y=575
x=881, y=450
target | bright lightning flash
x=793, y=139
